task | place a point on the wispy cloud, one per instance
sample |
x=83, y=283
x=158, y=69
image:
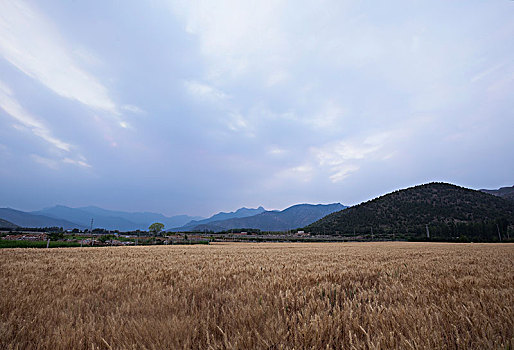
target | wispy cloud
x=343, y=157
x=233, y=33
x=48, y=162
x=133, y=109
x=30, y=42
x=56, y=163
x=488, y=71
x=11, y=106
x=80, y=162
x=205, y=92
x=231, y=118
x=63, y=151
x=301, y=174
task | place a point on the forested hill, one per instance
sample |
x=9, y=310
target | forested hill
x=449, y=211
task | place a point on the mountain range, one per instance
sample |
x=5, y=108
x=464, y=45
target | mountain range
x=293, y=217
x=111, y=219
x=444, y=209
x=70, y=218
x=240, y=213
x=259, y=218
x=24, y=219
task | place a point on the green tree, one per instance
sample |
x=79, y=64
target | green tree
x=105, y=238
x=55, y=236
x=156, y=228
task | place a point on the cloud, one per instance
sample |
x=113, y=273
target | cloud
x=342, y=171
x=277, y=151
x=329, y=117
x=133, y=109
x=80, y=162
x=25, y=121
x=483, y=74
x=55, y=164
x=236, y=122
x=234, y=34
x=31, y=43
x=301, y=173
x=344, y=157
x=11, y=106
x=272, y=102
x=50, y=163
x=205, y=91
x=229, y=114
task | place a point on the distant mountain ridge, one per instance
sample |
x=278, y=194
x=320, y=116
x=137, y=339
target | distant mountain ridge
x=504, y=192
x=293, y=217
x=239, y=213
x=446, y=209
x=70, y=218
x=24, y=219
x=111, y=219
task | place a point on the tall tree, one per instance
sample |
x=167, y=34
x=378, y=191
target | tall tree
x=156, y=228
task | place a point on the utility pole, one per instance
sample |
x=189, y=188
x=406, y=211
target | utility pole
x=91, y=231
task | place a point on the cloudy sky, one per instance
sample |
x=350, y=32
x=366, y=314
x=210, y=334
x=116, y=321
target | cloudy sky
x=200, y=106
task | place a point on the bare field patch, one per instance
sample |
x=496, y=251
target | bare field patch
x=259, y=296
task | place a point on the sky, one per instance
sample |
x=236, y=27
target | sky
x=195, y=107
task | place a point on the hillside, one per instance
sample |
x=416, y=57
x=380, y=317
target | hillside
x=24, y=219
x=290, y=218
x=504, y=192
x=4, y=224
x=448, y=210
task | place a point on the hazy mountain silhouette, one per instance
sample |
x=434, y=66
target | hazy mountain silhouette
x=239, y=213
x=110, y=219
x=25, y=219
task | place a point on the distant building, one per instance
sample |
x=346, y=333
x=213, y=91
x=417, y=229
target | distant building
x=302, y=233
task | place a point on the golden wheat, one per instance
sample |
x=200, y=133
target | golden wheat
x=259, y=296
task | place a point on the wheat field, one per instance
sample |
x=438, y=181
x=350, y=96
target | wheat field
x=259, y=296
